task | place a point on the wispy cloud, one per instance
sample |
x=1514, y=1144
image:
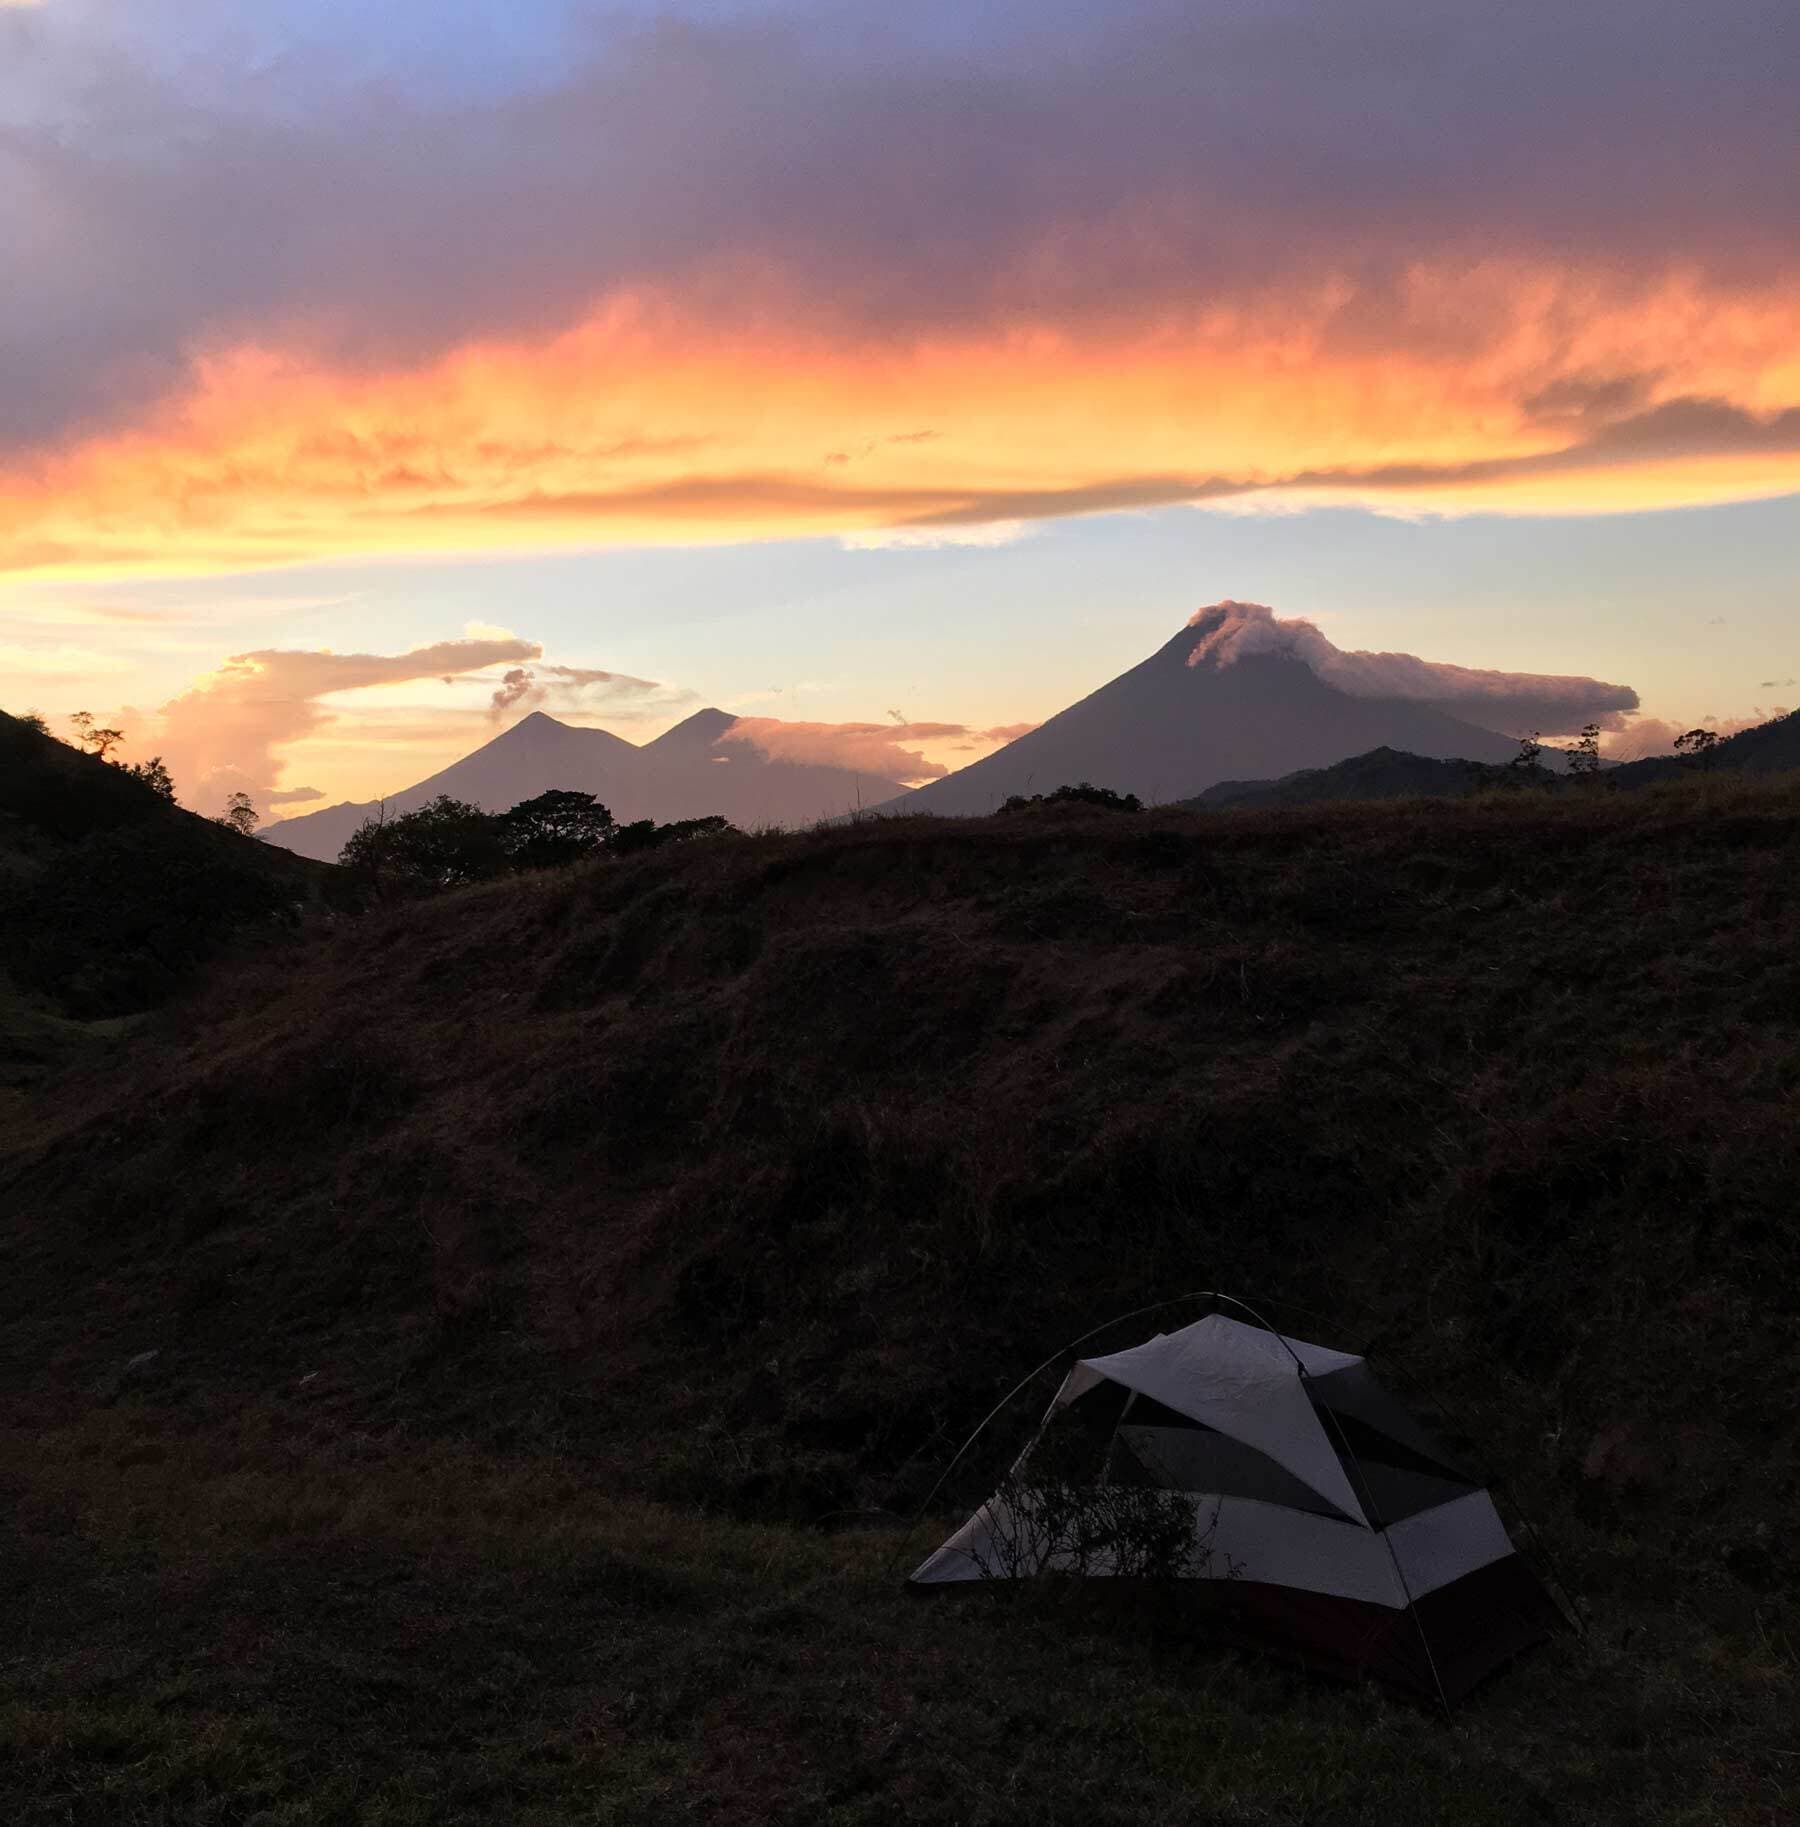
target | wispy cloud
x=58, y=660
x=572, y=688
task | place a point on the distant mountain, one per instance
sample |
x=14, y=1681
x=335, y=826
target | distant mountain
x=1768, y=748
x=1166, y=730
x=690, y=771
x=1382, y=773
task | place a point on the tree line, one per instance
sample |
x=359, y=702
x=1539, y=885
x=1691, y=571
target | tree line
x=240, y=814
x=1694, y=748
x=448, y=843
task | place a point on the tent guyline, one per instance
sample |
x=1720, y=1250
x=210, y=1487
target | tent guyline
x=1307, y=1504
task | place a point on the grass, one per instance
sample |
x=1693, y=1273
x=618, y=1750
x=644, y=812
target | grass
x=221, y=1626
x=537, y=1276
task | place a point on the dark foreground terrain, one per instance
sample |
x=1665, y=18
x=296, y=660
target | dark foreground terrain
x=558, y=1291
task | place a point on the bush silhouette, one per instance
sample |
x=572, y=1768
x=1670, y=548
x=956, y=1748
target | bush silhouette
x=1083, y=794
x=446, y=843
x=450, y=843
x=557, y=827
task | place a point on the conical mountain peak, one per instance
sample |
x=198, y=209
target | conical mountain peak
x=701, y=730
x=1234, y=694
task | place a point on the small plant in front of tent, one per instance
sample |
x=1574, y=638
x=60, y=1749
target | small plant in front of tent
x=1050, y=1517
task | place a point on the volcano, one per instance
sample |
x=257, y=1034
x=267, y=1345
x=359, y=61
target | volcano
x=690, y=771
x=1190, y=716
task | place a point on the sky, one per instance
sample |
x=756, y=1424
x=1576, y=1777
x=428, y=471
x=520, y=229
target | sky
x=372, y=376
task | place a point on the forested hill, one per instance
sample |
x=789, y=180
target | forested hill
x=1765, y=748
x=1387, y=773
x=111, y=896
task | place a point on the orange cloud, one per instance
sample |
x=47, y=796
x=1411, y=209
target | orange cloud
x=652, y=421
x=790, y=275
x=222, y=735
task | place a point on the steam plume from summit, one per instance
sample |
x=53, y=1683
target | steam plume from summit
x=1552, y=703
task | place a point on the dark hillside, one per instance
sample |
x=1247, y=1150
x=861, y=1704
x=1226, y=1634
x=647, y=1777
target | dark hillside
x=1386, y=773
x=886, y=1108
x=746, y=1175
x=1767, y=748
x=1382, y=773
x=111, y=896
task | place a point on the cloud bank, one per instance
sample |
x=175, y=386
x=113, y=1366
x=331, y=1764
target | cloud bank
x=1510, y=702
x=717, y=277
x=233, y=730
x=888, y=750
x=222, y=735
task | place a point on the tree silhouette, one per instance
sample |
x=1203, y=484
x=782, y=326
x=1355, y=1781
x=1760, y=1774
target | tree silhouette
x=557, y=827
x=156, y=777
x=1584, y=757
x=444, y=844
x=1527, y=765
x=240, y=815
x=1697, y=746
x=1084, y=793
x=94, y=737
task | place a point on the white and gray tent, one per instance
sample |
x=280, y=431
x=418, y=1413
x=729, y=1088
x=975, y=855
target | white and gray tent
x=1337, y=1527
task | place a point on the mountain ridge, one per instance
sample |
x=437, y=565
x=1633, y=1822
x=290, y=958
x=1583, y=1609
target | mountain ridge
x=1387, y=773
x=683, y=773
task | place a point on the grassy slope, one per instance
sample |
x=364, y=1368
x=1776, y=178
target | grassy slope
x=113, y=898
x=740, y=1179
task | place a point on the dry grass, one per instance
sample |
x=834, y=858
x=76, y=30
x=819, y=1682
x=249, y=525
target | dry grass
x=220, y=1625
x=635, y=1216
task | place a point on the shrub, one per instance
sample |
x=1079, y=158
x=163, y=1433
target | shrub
x=444, y=844
x=1051, y=1517
x=557, y=827
x=1584, y=757
x=1083, y=794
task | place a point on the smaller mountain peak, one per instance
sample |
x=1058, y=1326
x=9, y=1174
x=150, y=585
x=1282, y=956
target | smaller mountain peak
x=701, y=730
x=534, y=727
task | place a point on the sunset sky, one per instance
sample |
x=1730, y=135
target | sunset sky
x=853, y=364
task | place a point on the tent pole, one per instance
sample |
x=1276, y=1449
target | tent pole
x=1018, y=1389
x=1368, y=1503
x=1484, y=1466
x=1373, y=1514
x=1025, y=1383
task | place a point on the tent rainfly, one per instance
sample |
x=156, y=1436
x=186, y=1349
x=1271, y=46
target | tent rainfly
x=1335, y=1526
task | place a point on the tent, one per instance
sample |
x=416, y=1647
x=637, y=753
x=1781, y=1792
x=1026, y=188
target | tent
x=1326, y=1520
